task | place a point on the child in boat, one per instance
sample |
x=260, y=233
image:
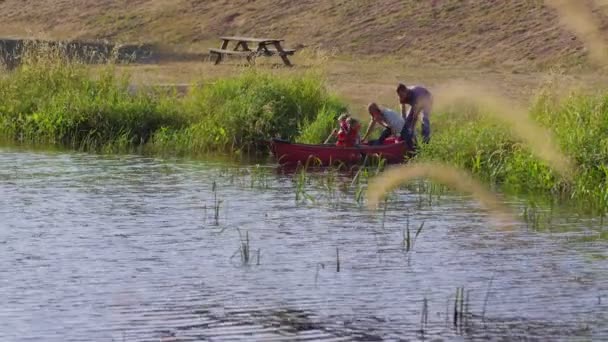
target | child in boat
x=352, y=134
x=340, y=134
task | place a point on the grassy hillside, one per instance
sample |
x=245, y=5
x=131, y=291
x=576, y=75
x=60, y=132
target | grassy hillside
x=471, y=32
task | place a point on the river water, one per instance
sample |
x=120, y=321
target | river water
x=130, y=248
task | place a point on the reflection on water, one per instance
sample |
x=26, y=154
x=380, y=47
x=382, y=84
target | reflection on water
x=98, y=248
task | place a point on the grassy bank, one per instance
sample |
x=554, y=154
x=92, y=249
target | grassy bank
x=484, y=146
x=51, y=101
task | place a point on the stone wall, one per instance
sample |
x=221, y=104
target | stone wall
x=12, y=51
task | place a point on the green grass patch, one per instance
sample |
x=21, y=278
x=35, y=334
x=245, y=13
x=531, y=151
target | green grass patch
x=53, y=101
x=485, y=147
x=244, y=112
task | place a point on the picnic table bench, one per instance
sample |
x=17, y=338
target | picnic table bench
x=265, y=47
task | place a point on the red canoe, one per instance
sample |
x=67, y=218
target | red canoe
x=291, y=153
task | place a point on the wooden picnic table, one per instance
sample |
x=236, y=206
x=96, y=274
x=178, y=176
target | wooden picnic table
x=265, y=47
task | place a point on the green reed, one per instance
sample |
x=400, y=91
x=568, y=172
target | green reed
x=337, y=259
x=336, y=184
x=53, y=100
x=480, y=144
x=301, y=180
x=408, y=239
x=424, y=315
x=217, y=203
x=461, y=308
x=245, y=250
x=259, y=177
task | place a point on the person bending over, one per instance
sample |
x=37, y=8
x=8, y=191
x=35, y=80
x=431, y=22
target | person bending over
x=392, y=122
x=419, y=100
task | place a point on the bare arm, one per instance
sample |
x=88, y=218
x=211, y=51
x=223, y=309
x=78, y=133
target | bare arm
x=404, y=111
x=371, y=125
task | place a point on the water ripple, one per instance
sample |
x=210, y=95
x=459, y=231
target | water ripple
x=113, y=248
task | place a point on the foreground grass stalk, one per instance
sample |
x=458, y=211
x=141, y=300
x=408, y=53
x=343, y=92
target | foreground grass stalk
x=456, y=178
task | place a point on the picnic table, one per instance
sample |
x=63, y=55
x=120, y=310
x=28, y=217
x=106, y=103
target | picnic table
x=265, y=47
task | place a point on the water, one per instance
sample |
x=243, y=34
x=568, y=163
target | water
x=126, y=248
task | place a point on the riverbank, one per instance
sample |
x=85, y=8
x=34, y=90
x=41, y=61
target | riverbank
x=51, y=101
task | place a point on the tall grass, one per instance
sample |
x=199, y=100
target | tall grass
x=49, y=99
x=244, y=112
x=480, y=144
x=52, y=100
x=317, y=131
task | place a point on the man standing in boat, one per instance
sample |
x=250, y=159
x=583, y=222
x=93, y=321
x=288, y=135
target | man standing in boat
x=419, y=99
x=393, y=123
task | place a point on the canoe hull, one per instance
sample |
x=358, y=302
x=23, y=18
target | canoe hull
x=288, y=153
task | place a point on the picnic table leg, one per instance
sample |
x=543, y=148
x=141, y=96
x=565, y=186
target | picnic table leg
x=281, y=52
x=218, y=59
x=245, y=47
x=262, y=48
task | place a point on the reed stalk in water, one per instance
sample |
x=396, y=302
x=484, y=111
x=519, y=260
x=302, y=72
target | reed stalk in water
x=337, y=259
x=455, y=178
x=424, y=316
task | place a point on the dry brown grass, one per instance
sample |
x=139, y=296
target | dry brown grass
x=578, y=17
x=507, y=34
x=365, y=47
x=360, y=81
